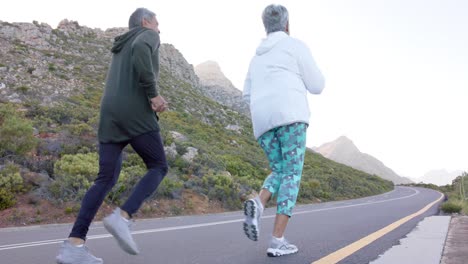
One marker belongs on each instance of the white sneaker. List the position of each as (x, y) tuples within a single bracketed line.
[(280, 247), (70, 254), (120, 229), (253, 210)]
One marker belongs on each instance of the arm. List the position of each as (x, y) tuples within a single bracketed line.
[(142, 52), (311, 75)]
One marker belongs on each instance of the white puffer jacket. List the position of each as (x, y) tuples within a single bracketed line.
[(279, 76)]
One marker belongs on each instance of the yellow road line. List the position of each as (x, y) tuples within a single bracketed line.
[(352, 248)]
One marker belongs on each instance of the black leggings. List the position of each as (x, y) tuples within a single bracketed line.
[(150, 148)]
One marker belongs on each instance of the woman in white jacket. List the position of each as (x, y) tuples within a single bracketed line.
[(280, 75)]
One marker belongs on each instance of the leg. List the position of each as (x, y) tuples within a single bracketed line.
[(150, 148), (281, 221), (253, 208), (293, 140), (110, 161), (265, 196), (272, 148)]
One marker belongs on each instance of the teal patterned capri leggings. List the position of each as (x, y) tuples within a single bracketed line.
[(285, 148)]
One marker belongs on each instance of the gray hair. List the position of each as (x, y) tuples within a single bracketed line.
[(137, 17), (275, 18)]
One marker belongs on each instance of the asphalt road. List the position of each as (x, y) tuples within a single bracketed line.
[(318, 230)]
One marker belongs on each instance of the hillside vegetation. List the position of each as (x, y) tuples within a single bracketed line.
[(48, 148)]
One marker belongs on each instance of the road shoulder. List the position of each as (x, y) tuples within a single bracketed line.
[(424, 244)]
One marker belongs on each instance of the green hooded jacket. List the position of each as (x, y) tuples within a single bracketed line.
[(131, 82)]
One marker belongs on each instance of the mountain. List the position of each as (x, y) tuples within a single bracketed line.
[(344, 151), (216, 86), (439, 177), (51, 82)]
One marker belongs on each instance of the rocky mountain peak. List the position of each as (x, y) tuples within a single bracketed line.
[(210, 74), (344, 141), (175, 62), (340, 145), (218, 87), (68, 24), (344, 151)]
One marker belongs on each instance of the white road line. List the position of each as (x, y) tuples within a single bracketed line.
[(157, 230), (416, 192)]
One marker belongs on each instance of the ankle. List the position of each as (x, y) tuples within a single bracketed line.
[(76, 241), (124, 214), (259, 200), (281, 239)]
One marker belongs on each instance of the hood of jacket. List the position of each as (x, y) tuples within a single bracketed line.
[(121, 40), (270, 41)]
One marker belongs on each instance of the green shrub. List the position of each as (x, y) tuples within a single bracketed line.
[(72, 209), (23, 89), (80, 129), (73, 176), (309, 189), (132, 159), (7, 199), (10, 178), (222, 188), (180, 164), (68, 210), (52, 67), (168, 186), (251, 184), (79, 164), (175, 210), (16, 132), (236, 166), (451, 207)]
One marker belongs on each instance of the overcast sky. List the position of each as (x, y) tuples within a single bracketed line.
[(396, 70)]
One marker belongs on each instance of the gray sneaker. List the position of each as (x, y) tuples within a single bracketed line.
[(279, 248), (253, 210), (120, 229), (70, 254)]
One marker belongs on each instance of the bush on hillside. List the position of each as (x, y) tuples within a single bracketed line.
[(169, 186), (7, 199), (309, 190), (73, 175), (10, 178), (222, 188), (236, 166), (11, 183), (16, 132)]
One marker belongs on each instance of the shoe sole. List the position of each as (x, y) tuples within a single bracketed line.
[(250, 229), (125, 246), (279, 253), (59, 261)]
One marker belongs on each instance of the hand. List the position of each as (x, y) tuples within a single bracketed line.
[(159, 104)]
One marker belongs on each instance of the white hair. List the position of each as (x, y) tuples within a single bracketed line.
[(275, 18)]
